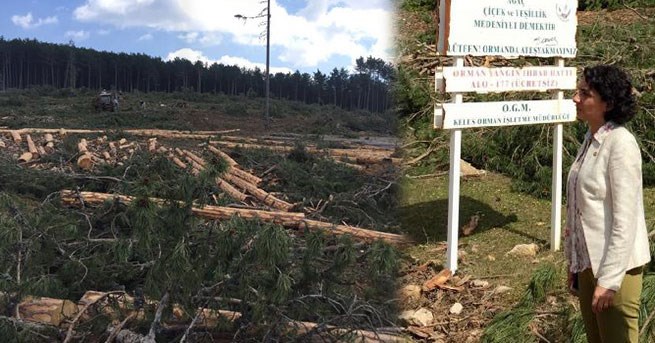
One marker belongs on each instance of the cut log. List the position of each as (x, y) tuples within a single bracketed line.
[(226, 157), (362, 234), (230, 190), (25, 157), (41, 151), (178, 162), (85, 161), (233, 169), (194, 157), (2, 144), (112, 147), (288, 219), (122, 141), (222, 184), (136, 132), (194, 164), (48, 138), (210, 212), (364, 156), (244, 175), (259, 194), (49, 142), (60, 313), (233, 145), (351, 165), (82, 146), (106, 155), (152, 144), (46, 310), (162, 149), (16, 136), (31, 147)]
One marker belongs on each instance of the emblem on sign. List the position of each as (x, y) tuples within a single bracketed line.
[(563, 10)]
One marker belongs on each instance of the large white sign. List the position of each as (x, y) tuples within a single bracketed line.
[(509, 28), (503, 113), (485, 80)]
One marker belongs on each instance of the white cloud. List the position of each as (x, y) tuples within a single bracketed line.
[(189, 37), (27, 21), (195, 55), (244, 63), (77, 35), (211, 39), (147, 36), (320, 31), (104, 32)]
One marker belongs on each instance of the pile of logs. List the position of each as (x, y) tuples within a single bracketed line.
[(239, 184), (234, 177), (356, 156)]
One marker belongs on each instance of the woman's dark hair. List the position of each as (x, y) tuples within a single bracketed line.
[(614, 87)]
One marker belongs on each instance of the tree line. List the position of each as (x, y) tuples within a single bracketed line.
[(28, 63)]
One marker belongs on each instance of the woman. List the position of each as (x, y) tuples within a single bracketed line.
[(606, 235)]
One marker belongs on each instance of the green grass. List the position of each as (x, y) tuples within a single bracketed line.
[(507, 218), (51, 108)]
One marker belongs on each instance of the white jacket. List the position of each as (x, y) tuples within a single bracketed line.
[(610, 199)]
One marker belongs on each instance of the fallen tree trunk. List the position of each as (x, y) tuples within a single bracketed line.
[(136, 132), (210, 212), (365, 156), (362, 234), (260, 194), (287, 219), (122, 305)]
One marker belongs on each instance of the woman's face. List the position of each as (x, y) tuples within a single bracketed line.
[(590, 107)]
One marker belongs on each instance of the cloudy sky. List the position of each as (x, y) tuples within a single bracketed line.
[(305, 34)]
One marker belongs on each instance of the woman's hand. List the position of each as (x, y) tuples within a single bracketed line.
[(602, 299)]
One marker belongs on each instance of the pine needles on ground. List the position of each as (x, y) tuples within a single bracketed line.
[(510, 326), (543, 280), (514, 325), (647, 311)]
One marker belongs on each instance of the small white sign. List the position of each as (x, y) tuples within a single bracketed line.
[(506, 113), (485, 80), (508, 28)]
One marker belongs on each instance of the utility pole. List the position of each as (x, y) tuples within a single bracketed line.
[(267, 122), (267, 115)]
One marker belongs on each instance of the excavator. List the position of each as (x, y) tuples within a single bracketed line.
[(106, 101)]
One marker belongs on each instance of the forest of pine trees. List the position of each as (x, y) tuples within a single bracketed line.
[(29, 63)]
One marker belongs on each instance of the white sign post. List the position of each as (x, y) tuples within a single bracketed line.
[(507, 28)]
